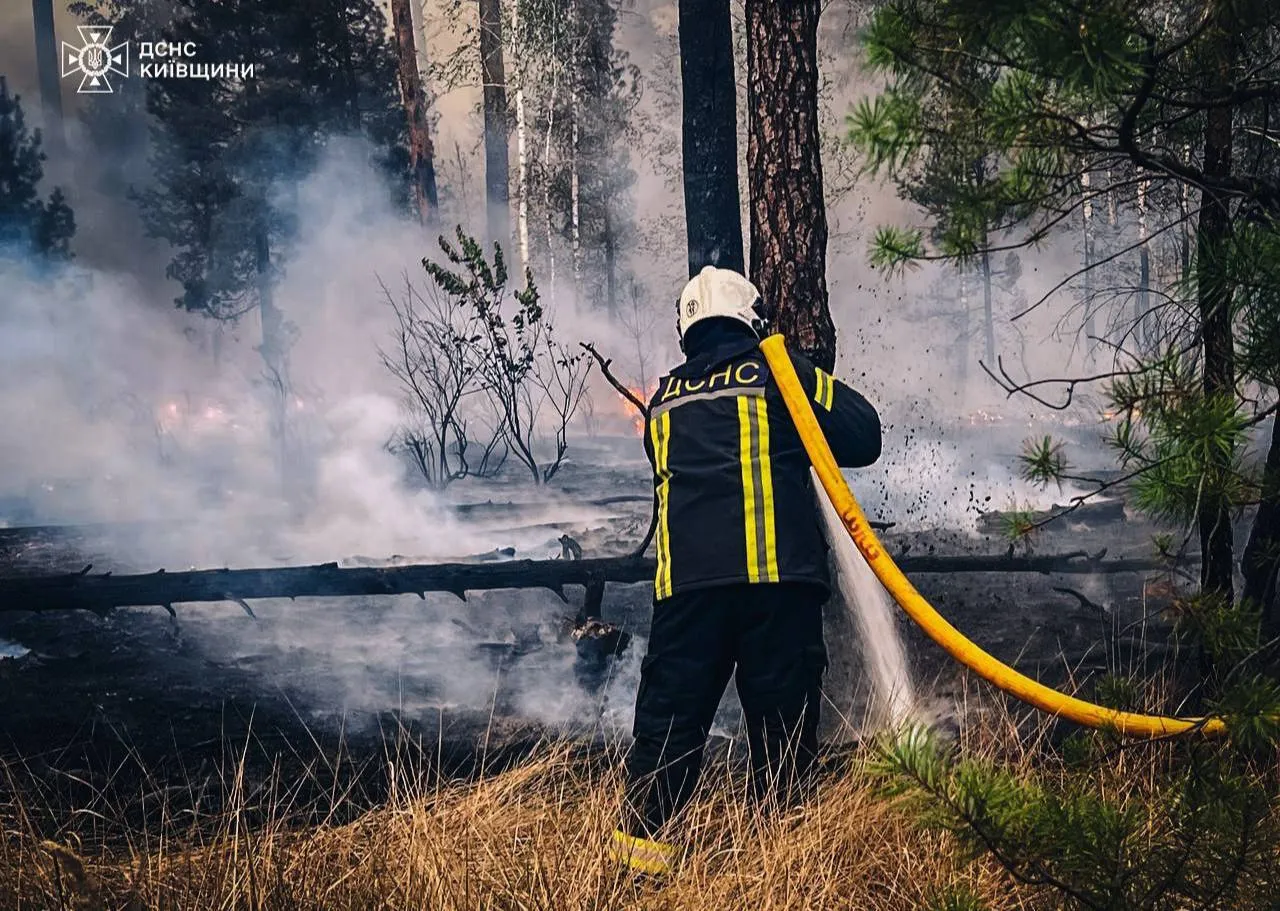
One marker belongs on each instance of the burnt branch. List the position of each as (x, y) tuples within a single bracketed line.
[(623, 391)]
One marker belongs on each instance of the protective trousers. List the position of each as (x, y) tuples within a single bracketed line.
[(771, 635)]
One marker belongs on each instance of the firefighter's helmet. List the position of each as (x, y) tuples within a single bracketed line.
[(719, 292)]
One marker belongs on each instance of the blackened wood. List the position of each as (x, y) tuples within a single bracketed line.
[(709, 136), (101, 593)]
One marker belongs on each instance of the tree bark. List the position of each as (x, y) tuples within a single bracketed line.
[(421, 152), (1213, 290), (784, 174), (496, 151), (1261, 560), (709, 137)]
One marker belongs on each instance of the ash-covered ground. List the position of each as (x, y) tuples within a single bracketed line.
[(112, 711)]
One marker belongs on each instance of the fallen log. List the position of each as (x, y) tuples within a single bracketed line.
[(105, 591)]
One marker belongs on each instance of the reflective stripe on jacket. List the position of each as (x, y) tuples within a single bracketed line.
[(731, 477)]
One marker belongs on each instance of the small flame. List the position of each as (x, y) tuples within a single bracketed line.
[(637, 420)]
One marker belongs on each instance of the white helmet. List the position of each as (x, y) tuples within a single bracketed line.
[(719, 292)]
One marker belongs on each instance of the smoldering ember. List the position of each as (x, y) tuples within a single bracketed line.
[(417, 412)]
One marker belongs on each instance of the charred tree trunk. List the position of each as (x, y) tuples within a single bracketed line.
[(709, 130), (47, 67), (1261, 561), (784, 173), (421, 153), (1213, 291), (496, 153), (1142, 332), (106, 591)]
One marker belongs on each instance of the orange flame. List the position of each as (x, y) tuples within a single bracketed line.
[(629, 409)]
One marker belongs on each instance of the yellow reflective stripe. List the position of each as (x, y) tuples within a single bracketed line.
[(748, 486), (660, 434), (766, 493), (641, 853), (825, 390)]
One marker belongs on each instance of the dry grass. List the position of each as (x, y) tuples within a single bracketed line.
[(535, 837), (532, 837)]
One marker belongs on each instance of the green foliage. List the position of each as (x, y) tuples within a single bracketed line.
[(896, 248), (1124, 694), (1195, 828), (1189, 446), (1018, 524), (1252, 262), (229, 153), (1043, 461), (29, 226), (1251, 708), (955, 898), (522, 367)]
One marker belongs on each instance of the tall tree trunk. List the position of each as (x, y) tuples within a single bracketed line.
[(575, 195), (274, 349), (610, 259), (1090, 331), (47, 68), (576, 79), (421, 152), (1261, 562), (496, 152), (988, 315), (988, 308), (1142, 330), (784, 173), (547, 208), (962, 337), (1184, 208), (1213, 290), (709, 136), (522, 155)]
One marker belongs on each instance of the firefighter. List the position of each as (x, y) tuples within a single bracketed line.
[(742, 562)]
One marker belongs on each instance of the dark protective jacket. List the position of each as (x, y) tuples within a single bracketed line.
[(732, 486)]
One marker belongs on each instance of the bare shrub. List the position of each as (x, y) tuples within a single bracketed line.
[(438, 365), (534, 383)]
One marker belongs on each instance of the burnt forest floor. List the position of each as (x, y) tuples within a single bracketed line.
[(119, 716)]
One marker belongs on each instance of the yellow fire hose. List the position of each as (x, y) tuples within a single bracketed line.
[(921, 611)]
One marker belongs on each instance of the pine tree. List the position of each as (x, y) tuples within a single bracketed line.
[(224, 149), (1161, 110), (29, 226), (784, 166), (1173, 97)]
